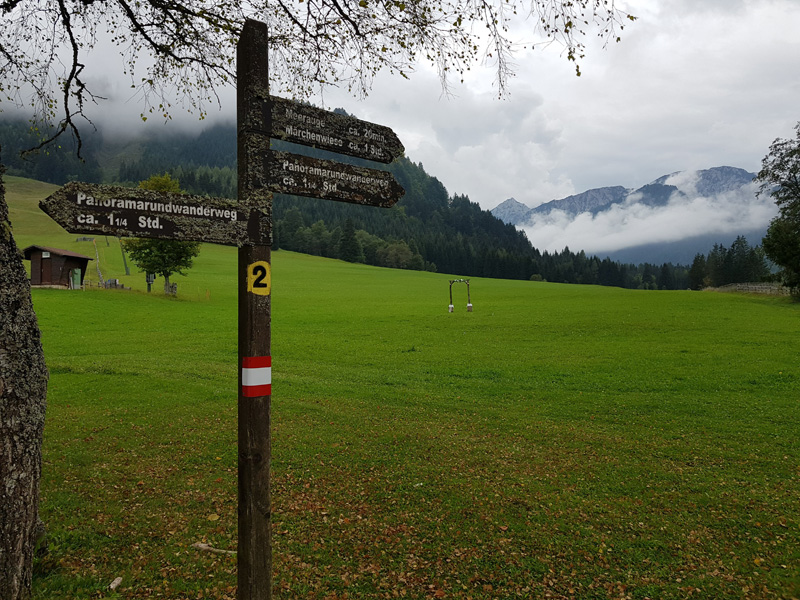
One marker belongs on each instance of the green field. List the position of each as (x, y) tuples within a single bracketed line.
[(559, 441)]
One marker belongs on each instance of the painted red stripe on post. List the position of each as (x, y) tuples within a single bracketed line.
[(256, 362), (253, 391)]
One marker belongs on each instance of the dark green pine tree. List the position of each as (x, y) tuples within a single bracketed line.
[(698, 272), (349, 247), (715, 265)]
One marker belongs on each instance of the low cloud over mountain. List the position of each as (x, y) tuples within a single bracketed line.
[(688, 210)]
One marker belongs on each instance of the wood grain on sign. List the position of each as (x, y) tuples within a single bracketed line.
[(288, 173), (132, 212), (311, 126)]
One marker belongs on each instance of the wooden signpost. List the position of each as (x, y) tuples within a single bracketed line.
[(263, 172), (247, 223)]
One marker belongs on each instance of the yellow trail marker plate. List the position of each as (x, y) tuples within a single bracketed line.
[(259, 278)]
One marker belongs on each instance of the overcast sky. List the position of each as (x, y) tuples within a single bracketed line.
[(693, 84)]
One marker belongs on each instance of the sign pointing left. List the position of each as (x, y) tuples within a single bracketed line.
[(132, 212)]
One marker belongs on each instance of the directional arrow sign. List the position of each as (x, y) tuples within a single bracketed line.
[(311, 126), (130, 212), (297, 175)]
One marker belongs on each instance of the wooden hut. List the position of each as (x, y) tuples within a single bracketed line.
[(56, 267)]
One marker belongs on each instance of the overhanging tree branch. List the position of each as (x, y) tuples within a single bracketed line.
[(313, 44), (72, 81)]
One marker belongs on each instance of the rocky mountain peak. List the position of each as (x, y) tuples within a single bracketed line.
[(704, 183)]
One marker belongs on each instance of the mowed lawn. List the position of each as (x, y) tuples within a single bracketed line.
[(559, 441)]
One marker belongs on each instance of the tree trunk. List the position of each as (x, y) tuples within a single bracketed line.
[(23, 390), (166, 285)]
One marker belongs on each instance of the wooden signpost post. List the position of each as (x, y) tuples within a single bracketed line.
[(247, 223), (263, 171)]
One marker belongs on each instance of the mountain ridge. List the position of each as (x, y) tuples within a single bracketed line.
[(670, 219), (593, 201), (709, 182)]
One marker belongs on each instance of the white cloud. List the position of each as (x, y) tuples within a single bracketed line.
[(632, 224), (685, 181)]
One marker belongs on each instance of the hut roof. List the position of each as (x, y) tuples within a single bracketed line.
[(30, 249)]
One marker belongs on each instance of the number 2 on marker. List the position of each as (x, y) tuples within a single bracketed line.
[(259, 278)]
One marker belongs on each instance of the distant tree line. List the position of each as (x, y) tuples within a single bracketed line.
[(569, 267), (427, 230), (55, 165), (219, 182), (204, 164), (741, 263), (346, 243)]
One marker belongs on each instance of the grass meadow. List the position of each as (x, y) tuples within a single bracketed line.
[(558, 442)]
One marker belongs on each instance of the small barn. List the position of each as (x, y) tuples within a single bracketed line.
[(56, 267)]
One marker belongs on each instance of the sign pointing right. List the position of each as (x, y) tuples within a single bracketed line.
[(298, 175), (311, 126)]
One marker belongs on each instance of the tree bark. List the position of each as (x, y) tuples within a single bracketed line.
[(23, 391)]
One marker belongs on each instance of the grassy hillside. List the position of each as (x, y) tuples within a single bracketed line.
[(32, 226), (559, 441), (30, 223)]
